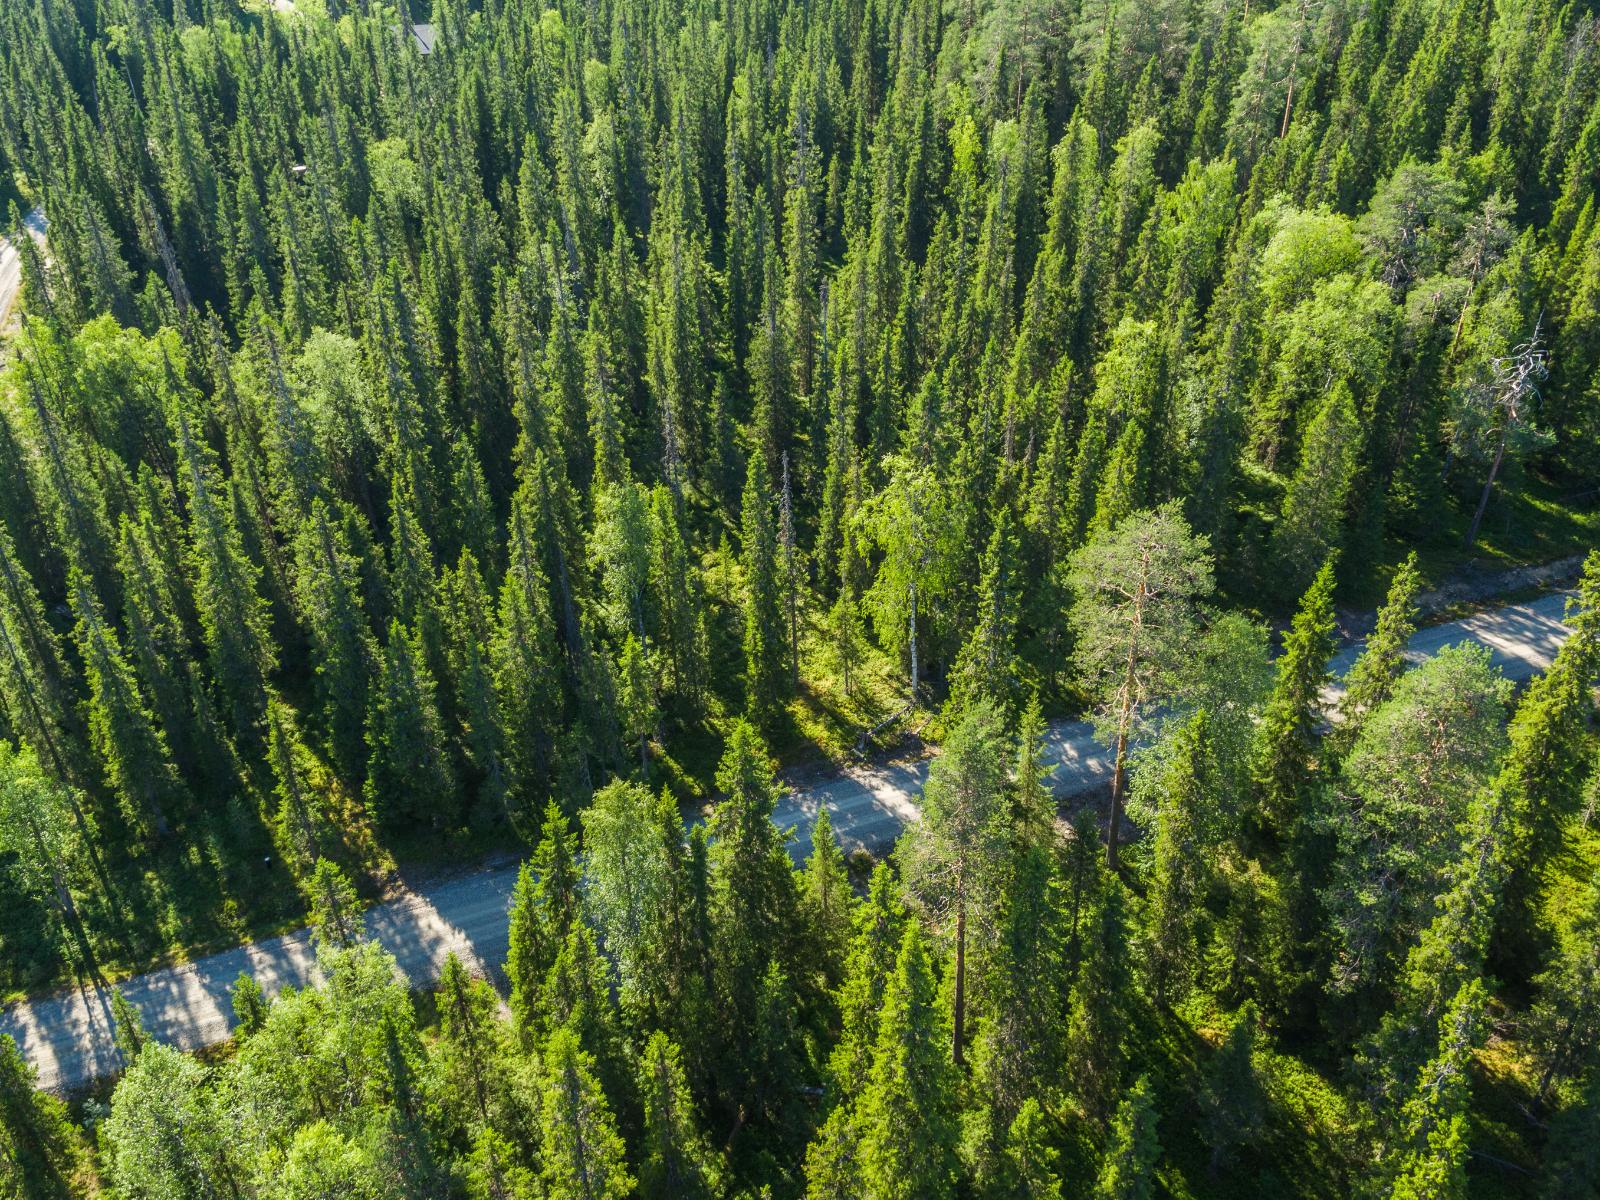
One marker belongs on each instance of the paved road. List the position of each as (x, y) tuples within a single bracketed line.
[(67, 1037), (11, 262)]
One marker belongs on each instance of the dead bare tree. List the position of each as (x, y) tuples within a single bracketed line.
[(1506, 402)]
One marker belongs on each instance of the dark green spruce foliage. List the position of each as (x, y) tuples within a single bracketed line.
[(441, 446)]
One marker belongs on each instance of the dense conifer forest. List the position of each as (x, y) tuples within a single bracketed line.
[(427, 433)]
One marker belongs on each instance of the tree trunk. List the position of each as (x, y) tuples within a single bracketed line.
[(960, 1005), (1488, 487), (916, 675), (1114, 825)]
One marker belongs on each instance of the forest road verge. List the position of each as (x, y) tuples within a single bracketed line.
[(67, 1037)]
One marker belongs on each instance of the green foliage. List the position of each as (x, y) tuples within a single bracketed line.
[(908, 1126), (544, 906), (1409, 784), (1128, 1170), (1372, 678), (250, 1006), (1136, 588), (1286, 741), (371, 450), (951, 859), (1232, 1099), (580, 1150), (678, 1162), (40, 1150)]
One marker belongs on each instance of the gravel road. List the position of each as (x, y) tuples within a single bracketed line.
[(67, 1037)]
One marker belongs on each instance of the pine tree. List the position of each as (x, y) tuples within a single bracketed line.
[(1137, 586), (127, 1026), (1018, 1050), (675, 597), (579, 993), (1030, 1163), (951, 857), (1410, 784)]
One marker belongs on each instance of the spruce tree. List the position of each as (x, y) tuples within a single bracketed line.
[(987, 665), (581, 1154), (755, 904), (764, 640), (250, 1006), (1286, 740), (677, 1161), (826, 901), (1128, 1170), (526, 680), (1372, 677), (1232, 1098), (1430, 1158), (409, 781), (907, 1118), (233, 616), (132, 750), (544, 906), (1104, 1000), (346, 654), (470, 1026), (1182, 864)]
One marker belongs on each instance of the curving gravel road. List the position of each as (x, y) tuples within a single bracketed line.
[(67, 1037)]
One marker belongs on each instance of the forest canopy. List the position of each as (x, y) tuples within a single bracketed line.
[(434, 431)]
